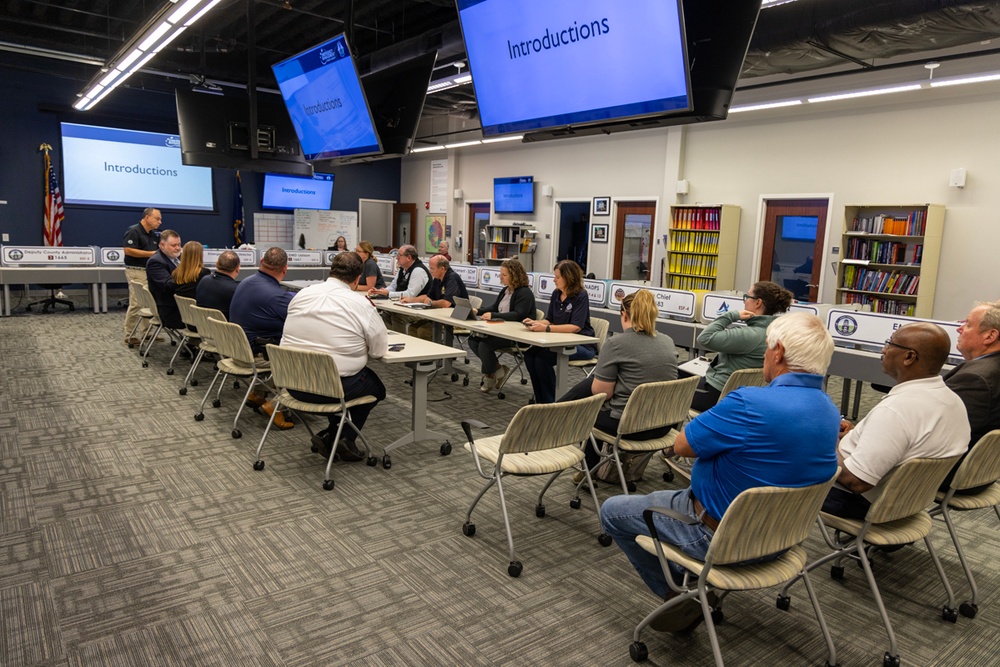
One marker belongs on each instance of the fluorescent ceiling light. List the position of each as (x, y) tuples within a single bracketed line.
[(453, 81), (864, 93), (424, 149), (768, 105), (154, 36), (970, 79), (183, 10), (515, 137), (463, 143)]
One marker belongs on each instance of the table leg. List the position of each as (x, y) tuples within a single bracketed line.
[(845, 396), (95, 299), (6, 300), (104, 297), (562, 370), (418, 417), (858, 384)]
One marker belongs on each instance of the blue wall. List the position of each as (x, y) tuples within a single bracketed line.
[(33, 106)]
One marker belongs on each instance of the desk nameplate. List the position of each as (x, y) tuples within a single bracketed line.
[(47, 256), (670, 302)]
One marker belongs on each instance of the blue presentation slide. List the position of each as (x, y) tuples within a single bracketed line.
[(291, 192), (514, 194), (104, 166), (560, 62), (325, 101)]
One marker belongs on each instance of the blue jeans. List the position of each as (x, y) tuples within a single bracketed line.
[(621, 517), (541, 365)]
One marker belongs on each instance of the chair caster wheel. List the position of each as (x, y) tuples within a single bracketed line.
[(531, 401), (446, 449), (668, 476), (949, 614), (237, 434), (540, 511), (173, 343), (968, 609), (145, 364), (575, 503), (386, 462), (604, 540), (170, 371), (454, 377), (718, 617), (199, 416), (194, 383), (890, 660), (465, 381), (514, 569), (328, 485), (258, 465), (837, 572), (131, 346), (637, 651), (465, 361), (501, 395), (630, 486), (182, 391), (784, 602), (524, 380), (468, 529), (216, 403), (371, 462), (236, 384)]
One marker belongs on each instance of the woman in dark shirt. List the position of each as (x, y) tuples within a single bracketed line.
[(569, 312), (515, 303), (340, 245), (371, 275)]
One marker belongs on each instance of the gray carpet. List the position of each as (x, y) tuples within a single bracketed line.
[(130, 534)]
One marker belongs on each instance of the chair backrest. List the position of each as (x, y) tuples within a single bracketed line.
[(909, 488), (231, 341), (477, 302), (199, 317), (981, 464), (305, 370), (766, 520), (539, 314), (657, 404), (746, 377), (601, 327), (184, 304), (146, 299), (550, 425)]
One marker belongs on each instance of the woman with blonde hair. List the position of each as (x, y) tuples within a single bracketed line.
[(371, 274), (183, 282), (635, 356), (514, 303)]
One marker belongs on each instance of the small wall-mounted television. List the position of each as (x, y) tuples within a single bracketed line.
[(538, 65), (324, 98), (514, 194), (215, 132), (290, 192), (799, 228)]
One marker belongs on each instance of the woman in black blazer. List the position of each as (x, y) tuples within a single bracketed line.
[(514, 304)]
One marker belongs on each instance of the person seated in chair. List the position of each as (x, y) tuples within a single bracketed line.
[(920, 417), (333, 318), (514, 303), (784, 434), (445, 286), (159, 268), (217, 290), (185, 278)]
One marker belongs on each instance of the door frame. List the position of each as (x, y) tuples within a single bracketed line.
[(614, 252), (758, 244), (470, 232), (401, 208)]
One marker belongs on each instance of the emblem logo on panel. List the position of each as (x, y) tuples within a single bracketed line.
[(845, 325)]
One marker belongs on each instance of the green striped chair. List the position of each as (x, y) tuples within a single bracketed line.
[(980, 467), (759, 522), (540, 440), (898, 516), (199, 319)]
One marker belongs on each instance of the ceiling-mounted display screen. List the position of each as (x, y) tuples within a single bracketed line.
[(559, 63), (326, 103), (292, 192), (514, 194)]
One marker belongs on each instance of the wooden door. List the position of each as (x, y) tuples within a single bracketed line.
[(404, 224), (792, 249), (635, 223), (475, 237)]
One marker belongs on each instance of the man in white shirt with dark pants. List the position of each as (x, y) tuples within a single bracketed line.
[(333, 318)]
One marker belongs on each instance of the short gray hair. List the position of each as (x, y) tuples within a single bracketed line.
[(808, 345), (991, 315)]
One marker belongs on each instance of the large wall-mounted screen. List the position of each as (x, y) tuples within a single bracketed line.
[(326, 103), (291, 192), (559, 63), (105, 166)]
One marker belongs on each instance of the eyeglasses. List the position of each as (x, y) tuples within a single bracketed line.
[(889, 341), (749, 296)]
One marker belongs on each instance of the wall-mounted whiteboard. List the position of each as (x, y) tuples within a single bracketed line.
[(318, 230)]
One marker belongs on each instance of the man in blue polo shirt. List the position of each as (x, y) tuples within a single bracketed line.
[(784, 434)]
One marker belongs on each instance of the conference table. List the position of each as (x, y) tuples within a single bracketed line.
[(565, 344), (50, 275)]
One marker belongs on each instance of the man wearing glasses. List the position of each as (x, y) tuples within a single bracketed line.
[(920, 417)]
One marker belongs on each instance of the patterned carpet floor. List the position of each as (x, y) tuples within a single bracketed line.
[(131, 534)]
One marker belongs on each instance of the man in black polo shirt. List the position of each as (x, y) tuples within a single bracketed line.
[(445, 286), (141, 242)]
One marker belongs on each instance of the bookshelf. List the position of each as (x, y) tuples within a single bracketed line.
[(701, 248), (889, 257), (513, 240)]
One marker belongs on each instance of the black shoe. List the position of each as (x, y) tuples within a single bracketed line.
[(683, 618), (320, 440), (348, 451)]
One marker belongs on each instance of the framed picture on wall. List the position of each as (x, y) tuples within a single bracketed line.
[(602, 206), (599, 233)]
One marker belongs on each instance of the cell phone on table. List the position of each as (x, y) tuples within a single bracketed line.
[(396, 347)]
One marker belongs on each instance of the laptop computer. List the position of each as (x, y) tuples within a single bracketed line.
[(463, 310)]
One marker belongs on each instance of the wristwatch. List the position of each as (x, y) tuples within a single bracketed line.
[(548, 328)]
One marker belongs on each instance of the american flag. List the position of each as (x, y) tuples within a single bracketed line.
[(53, 206), (239, 231)]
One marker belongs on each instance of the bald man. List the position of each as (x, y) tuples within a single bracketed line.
[(920, 417)]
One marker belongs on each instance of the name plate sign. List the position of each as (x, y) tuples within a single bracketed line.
[(861, 328), (46, 256), (303, 257), (490, 279), (386, 264), (248, 258), (468, 274), (597, 290), (713, 305), (112, 257), (670, 302)]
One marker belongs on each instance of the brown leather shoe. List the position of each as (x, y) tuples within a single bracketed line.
[(256, 400), (280, 421), (132, 341)]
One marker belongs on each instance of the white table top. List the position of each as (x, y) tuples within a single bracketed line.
[(418, 349)]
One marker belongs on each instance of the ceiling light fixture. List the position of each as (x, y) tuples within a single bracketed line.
[(983, 78), (424, 149), (768, 105), (475, 142), (865, 93), (513, 137), (157, 33), (453, 81)]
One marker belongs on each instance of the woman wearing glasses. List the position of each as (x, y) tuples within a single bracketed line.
[(739, 347)]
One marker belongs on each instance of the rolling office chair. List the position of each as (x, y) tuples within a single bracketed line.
[(51, 301)]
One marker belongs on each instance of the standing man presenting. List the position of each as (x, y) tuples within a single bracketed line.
[(140, 243)]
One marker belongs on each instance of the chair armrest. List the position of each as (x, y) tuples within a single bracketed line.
[(647, 515)]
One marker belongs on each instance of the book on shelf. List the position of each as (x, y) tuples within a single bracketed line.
[(913, 223)]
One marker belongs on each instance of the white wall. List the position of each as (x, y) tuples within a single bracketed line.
[(896, 150)]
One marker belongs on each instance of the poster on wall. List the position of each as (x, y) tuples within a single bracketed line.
[(319, 230), (439, 187), (434, 224)]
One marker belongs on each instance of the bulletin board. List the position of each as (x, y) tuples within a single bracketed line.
[(318, 230)]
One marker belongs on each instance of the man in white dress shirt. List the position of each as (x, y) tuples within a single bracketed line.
[(332, 317)]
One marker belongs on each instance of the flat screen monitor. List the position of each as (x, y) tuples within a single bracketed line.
[(558, 63), (323, 94), (290, 192), (396, 97), (106, 166), (215, 132), (799, 228), (514, 194)]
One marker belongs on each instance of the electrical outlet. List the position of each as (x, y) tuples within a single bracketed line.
[(6, 238)]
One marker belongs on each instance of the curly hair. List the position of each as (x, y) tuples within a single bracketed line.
[(776, 299)]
